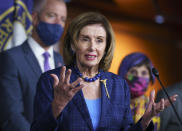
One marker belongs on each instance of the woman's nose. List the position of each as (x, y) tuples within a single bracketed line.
[(92, 44)]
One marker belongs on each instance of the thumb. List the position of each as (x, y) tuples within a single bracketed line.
[(56, 80), (151, 103)]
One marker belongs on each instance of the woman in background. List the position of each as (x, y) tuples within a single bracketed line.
[(136, 69)]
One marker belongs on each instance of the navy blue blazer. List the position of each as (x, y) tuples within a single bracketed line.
[(19, 74), (115, 111)]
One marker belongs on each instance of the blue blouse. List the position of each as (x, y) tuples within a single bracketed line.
[(94, 108)]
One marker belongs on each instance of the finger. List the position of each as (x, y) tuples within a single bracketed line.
[(172, 98), (76, 83), (150, 106), (152, 96), (75, 90), (56, 80), (62, 74), (162, 105), (67, 76)]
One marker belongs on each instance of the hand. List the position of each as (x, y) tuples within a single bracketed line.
[(154, 108), (63, 90)]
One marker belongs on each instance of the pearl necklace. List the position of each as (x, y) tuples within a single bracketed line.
[(97, 76)]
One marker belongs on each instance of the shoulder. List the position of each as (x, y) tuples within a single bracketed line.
[(56, 54), (115, 81), (11, 60), (174, 88), (177, 86), (171, 90), (113, 77), (55, 71), (13, 52), (9, 56)]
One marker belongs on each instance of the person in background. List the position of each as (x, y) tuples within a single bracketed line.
[(21, 67), (136, 69), (169, 121), (83, 95)]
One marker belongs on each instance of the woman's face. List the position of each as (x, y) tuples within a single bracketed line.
[(139, 71), (90, 46)]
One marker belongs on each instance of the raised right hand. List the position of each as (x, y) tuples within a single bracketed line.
[(63, 90)]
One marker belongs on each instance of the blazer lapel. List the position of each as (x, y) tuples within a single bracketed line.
[(106, 88), (31, 59), (57, 61), (79, 102)]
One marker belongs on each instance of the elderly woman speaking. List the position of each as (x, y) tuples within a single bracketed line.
[(83, 96)]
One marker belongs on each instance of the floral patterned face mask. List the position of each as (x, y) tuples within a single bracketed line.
[(137, 85)]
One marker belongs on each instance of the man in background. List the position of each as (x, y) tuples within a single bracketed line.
[(169, 120), (20, 67)]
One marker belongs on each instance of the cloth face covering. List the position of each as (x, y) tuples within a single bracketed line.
[(49, 33), (137, 85)]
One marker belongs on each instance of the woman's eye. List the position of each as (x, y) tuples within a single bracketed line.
[(133, 72), (144, 73), (99, 40), (85, 39)]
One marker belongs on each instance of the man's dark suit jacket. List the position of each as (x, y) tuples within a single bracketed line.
[(19, 73), (115, 110), (169, 121)]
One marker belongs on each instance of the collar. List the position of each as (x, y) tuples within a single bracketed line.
[(37, 49)]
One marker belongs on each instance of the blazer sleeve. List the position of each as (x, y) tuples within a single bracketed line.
[(11, 109), (43, 117)]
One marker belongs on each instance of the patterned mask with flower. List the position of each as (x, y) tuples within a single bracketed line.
[(137, 85)]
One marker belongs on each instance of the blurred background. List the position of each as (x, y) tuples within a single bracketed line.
[(153, 27)]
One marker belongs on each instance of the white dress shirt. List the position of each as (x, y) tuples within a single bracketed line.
[(38, 52)]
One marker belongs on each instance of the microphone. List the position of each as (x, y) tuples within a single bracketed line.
[(156, 74)]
